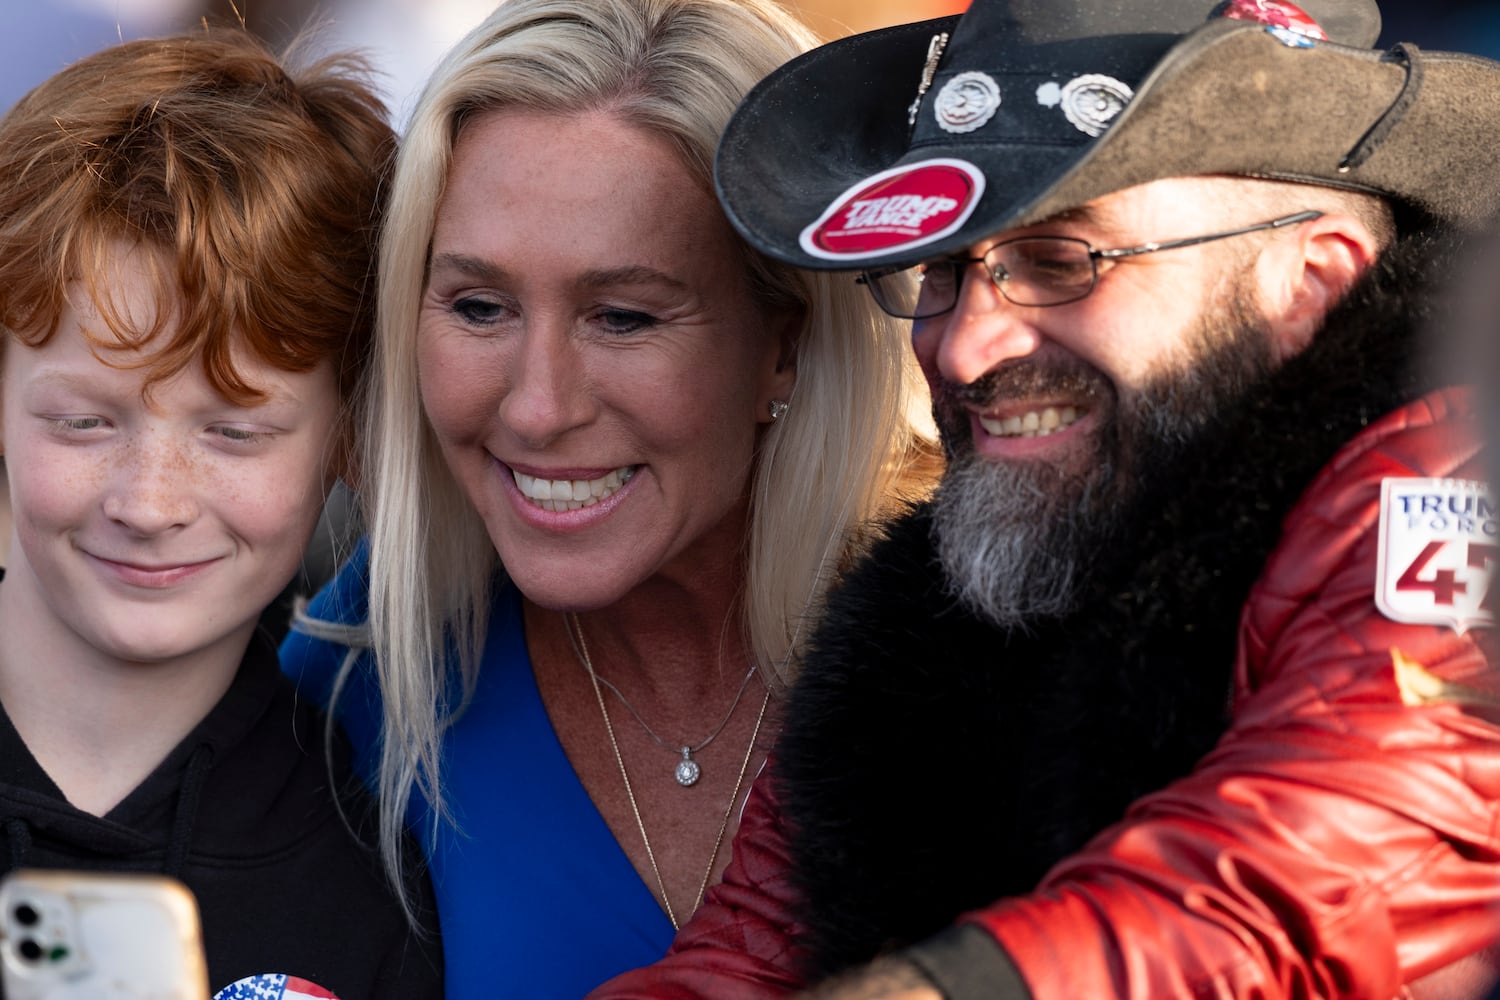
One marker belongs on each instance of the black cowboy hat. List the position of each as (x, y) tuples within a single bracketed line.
[(898, 145)]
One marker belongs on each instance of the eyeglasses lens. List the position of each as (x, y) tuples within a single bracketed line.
[(895, 291), (1042, 271), (1031, 271)]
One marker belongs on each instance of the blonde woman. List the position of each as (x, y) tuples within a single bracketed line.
[(615, 459)]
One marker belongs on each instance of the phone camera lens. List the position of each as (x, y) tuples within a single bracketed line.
[(30, 950), (26, 915)]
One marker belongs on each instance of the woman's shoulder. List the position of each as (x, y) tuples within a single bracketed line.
[(331, 626), (345, 599)]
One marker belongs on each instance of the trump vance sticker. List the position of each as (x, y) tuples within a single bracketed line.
[(896, 209), (1439, 541)]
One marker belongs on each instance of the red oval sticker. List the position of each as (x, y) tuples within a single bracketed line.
[(895, 209), (1278, 14)]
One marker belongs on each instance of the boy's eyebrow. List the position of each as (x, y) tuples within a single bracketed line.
[(91, 383), (65, 378)]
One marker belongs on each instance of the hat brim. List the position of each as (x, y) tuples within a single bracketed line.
[(1230, 98)]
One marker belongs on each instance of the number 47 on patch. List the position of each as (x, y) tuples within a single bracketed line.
[(1439, 545)]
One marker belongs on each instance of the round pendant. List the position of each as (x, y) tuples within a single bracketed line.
[(687, 772)]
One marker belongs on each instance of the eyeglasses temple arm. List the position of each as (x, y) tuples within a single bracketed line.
[(1286, 220)]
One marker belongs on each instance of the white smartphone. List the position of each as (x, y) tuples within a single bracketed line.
[(67, 935)]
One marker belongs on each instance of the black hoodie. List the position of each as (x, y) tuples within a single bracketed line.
[(242, 812)]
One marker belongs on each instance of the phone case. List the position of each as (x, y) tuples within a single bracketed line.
[(68, 935)]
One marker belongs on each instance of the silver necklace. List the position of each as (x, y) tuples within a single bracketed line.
[(581, 650), (687, 771)]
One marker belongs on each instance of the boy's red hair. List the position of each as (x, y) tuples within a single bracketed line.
[(258, 188)]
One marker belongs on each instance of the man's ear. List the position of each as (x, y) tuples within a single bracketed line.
[(1303, 275)]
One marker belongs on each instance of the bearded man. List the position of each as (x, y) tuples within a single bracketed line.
[(1177, 687)]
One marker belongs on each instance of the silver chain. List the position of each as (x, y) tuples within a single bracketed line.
[(687, 771), (581, 649)]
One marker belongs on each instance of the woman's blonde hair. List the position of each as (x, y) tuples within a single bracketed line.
[(675, 68)]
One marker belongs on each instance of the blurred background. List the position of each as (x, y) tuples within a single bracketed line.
[(406, 37)]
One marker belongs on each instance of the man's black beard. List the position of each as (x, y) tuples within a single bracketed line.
[(1019, 540)]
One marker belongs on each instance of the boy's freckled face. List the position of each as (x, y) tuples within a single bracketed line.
[(160, 527)]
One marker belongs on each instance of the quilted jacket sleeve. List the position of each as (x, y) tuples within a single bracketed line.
[(741, 942), (1341, 840)]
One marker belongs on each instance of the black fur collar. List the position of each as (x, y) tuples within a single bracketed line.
[(930, 764)]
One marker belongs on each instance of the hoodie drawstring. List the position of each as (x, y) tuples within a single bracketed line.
[(18, 833), (193, 777)]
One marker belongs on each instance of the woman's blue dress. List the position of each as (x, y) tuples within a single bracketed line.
[(535, 897)]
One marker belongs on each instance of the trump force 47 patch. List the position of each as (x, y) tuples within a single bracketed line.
[(1439, 541)]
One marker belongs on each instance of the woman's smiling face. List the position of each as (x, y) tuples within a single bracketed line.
[(591, 358)]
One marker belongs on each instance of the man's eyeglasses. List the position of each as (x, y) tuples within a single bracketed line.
[(1029, 271)]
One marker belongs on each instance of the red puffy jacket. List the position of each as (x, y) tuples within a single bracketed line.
[(1342, 840)]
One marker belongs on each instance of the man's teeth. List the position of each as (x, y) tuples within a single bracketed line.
[(1037, 423), (570, 494)]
